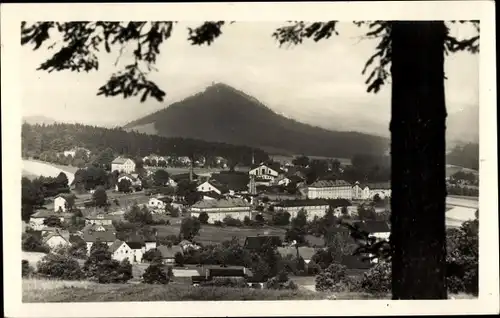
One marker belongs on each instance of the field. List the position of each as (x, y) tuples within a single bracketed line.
[(452, 169), (36, 290), (40, 168), (210, 234)]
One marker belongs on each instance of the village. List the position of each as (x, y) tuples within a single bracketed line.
[(251, 207)]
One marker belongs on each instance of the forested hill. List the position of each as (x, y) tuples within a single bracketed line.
[(224, 114), (52, 139)]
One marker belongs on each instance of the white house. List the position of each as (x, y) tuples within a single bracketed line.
[(316, 207), (60, 203), (158, 203), (209, 186), (330, 189), (263, 171), (93, 232), (72, 152), (217, 210), (121, 164), (120, 250), (56, 238), (168, 253), (360, 191)]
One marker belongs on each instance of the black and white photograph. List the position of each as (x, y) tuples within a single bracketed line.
[(205, 157)]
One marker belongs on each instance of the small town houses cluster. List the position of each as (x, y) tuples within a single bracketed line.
[(223, 195)]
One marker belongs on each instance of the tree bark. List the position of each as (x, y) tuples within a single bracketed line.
[(418, 160)]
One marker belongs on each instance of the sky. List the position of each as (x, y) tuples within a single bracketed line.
[(316, 82)]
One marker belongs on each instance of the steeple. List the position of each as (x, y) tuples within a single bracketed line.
[(253, 157)]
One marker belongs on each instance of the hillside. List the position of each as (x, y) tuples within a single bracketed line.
[(457, 121), (224, 114)]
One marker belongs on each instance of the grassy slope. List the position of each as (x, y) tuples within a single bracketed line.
[(58, 291)]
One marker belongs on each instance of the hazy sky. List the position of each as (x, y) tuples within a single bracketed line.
[(319, 83)]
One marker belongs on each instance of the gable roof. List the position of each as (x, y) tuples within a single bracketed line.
[(213, 194), (222, 203), (276, 166), (329, 184), (115, 246), (135, 245), (126, 175), (183, 176), (217, 185), (60, 233), (169, 252), (302, 202), (49, 213), (373, 226), (379, 186), (305, 252), (120, 160), (255, 242)]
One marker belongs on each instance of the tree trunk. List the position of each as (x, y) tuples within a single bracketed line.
[(418, 160)]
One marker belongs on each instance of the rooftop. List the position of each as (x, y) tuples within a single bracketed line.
[(120, 160), (255, 242), (223, 203), (302, 202), (379, 186), (116, 244), (329, 184), (373, 226)]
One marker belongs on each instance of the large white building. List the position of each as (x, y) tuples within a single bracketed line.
[(316, 207), (121, 164), (265, 172), (217, 210), (330, 189), (60, 203)]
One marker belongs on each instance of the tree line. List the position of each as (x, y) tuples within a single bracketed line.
[(48, 141)]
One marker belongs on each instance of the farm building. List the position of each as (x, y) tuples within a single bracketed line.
[(122, 164), (56, 238)]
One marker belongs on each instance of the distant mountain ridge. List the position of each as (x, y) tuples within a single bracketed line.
[(38, 119), (222, 113)]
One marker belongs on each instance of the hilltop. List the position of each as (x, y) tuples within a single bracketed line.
[(222, 113)]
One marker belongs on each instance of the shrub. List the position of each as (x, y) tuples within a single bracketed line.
[(179, 259), (156, 273), (229, 221), (151, 255), (101, 268), (218, 223), (27, 269), (332, 278), (232, 282), (281, 281), (377, 279), (33, 243), (60, 267), (203, 217), (247, 221), (313, 268)]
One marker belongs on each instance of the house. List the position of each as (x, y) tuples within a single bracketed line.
[(183, 177), (212, 186), (256, 242), (159, 203), (184, 160), (56, 238), (99, 219), (72, 152), (360, 191), (383, 190), (305, 252), (187, 245), (330, 189), (266, 171), (122, 164), (60, 203), (103, 233), (212, 195), (313, 207), (378, 229), (38, 218), (121, 250), (134, 180), (168, 253), (355, 265), (217, 210)]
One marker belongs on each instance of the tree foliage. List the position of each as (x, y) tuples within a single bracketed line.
[(100, 267), (190, 228), (157, 273), (56, 266)]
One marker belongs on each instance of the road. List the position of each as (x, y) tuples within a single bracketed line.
[(466, 202), (462, 209)]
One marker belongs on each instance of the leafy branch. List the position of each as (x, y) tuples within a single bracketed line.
[(82, 40)]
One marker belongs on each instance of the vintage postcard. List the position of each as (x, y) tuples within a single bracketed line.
[(249, 159)]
